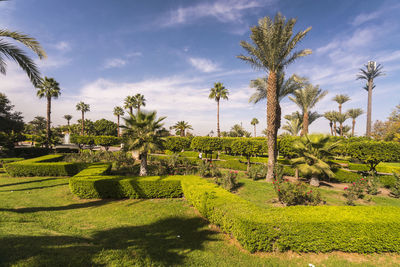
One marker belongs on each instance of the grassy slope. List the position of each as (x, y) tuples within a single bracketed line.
[(42, 224)]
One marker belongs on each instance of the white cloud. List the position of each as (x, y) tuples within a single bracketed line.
[(203, 64), (62, 46), (134, 54), (362, 18), (114, 63)]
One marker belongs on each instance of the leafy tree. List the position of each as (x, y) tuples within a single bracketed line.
[(139, 101), (11, 123), (254, 122), (37, 125), (181, 127), (129, 103), (105, 127), (306, 98), (369, 74), (89, 127), (118, 111), (15, 53), (144, 133), (330, 116), (271, 51), (247, 148), (217, 93), (238, 131), (68, 118), (177, 144), (106, 141), (206, 144), (390, 129), (48, 89), (354, 113), (341, 99), (81, 106)]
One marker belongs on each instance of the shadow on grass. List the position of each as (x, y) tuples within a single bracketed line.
[(33, 188), (162, 243), (28, 182)]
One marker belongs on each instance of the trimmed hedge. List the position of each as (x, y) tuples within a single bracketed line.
[(92, 183), (298, 228), (9, 160), (44, 166)]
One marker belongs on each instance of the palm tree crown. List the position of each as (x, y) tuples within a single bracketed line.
[(118, 111), (139, 101), (130, 103), (254, 122), (354, 114), (217, 93), (181, 127), (68, 118), (330, 116), (81, 106), (341, 99)]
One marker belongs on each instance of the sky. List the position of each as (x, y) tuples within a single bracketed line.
[(173, 52)]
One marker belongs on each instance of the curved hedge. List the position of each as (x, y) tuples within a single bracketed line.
[(43, 166)]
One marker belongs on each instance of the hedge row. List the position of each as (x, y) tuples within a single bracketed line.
[(93, 183), (9, 160), (43, 166), (101, 140), (299, 228)]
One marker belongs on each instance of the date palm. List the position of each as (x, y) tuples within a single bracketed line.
[(293, 126), (68, 118), (130, 103), (341, 99), (10, 51), (370, 72), (144, 133), (181, 127), (254, 122), (354, 113), (217, 93), (330, 116), (48, 89), (341, 118), (81, 106), (118, 111), (271, 50), (306, 98), (139, 101)]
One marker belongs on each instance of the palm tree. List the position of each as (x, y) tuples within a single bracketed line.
[(254, 122), (139, 101), (370, 72), (341, 118), (306, 98), (217, 93), (271, 51), (49, 89), (330, 116), (293, 126), (354, 113), (81, 106), (129, 103), (144, 134), (68, 118), (118, 111), (345, 130), (341, 99), (13, 52), (181, 127)]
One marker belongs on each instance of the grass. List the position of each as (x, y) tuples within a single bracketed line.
[(43, 224)]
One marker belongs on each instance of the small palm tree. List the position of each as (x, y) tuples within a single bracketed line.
[(254, 122), (341, 99), (217, 93), (330, 116), (354, 113), (345, 130), (68, 118), (48, 89), (181, 127), (370, 72), (139, 101), (13, 52), (306, 98), (341, 118), (129, 103), (293, 126), (81, 106), (144, 134), (118, 111)]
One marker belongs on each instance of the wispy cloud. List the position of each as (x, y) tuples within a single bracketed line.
[(203, 64), (62, 46), (114, 63)]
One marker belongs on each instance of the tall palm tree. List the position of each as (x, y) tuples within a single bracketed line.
[(254, 122), (306, 98), (330, 116), (293, 126), (68, 118), (341, 99), (118, 111), (48, 89), (181, 127), (341, 118), (144, 134), (217, 93), (81, 106), (271, 51), (370, 72), (354, 113), (13, 52), (139, 101), (129, 103)]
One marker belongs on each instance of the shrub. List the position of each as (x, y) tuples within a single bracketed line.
[(257, 171), (206, 144), (395, 189), (207, 169), (344, 176), (286, 147), (177, 143), (372, 185), (107, 141), (232, 164), (228, 181), (9, 160)]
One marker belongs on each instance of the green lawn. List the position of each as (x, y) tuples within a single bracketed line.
[(43, 224)]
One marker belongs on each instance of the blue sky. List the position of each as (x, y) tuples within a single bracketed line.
[(173, 51)]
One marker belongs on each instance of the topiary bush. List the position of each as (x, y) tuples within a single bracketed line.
[(206, 144), (177, 143)]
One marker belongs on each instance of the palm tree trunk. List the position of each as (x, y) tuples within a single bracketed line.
[(272, 102), (143, 164), (305, 122), (182, 132), (341, 128), (255, 131), (340, 108), (277, 126), (330, 125), (352, 128), (218, 130), (369, 109), (48, 122), (138, 109), (130, 110), (83, 123), (334, 127), (118, 133)]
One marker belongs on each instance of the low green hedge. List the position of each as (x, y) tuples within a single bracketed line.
[(9, 160), (92, 183), (298, 228), (43, 166), (344, 176), (232, 164)]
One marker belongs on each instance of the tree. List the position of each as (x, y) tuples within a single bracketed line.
[(105, 127), (181, 127), (68, 118), (118, 111), (48, 89), (388, 130), (293, 126), (341, 118), (247, 148), (15, 53), (139, 101), (144, 133), (306, 98), (129, 103), (330, 116), (341, 99), (354, 113), (11, 123), (238, 131), (81, 106), (369, 74), (217, 93), (271, 51), (254, 122)]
